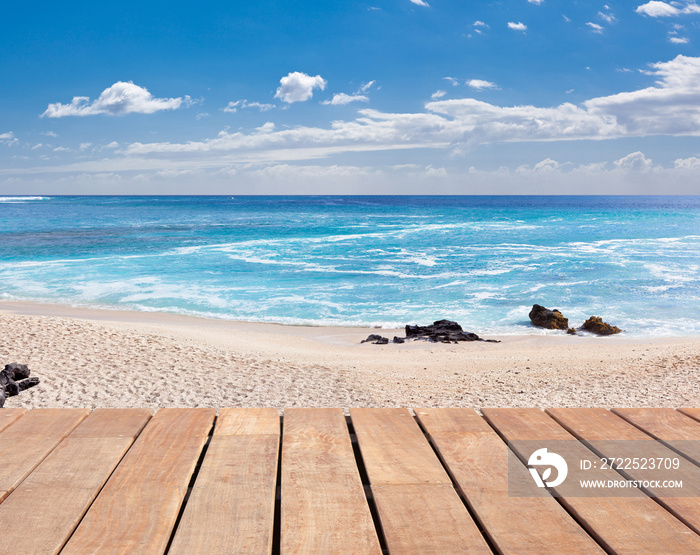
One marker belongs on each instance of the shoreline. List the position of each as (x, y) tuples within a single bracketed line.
[(115, 358)]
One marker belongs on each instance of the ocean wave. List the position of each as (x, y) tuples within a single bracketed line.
[(22, 199)]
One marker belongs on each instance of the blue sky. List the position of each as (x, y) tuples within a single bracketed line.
[(391, 96)]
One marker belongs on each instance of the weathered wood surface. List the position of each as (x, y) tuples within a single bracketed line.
[(611, 436), (27, 442), (137, 509), (232, 504), (622, 524), (323, 506), (477, 459), (9, 416), (45, 508), (671, 427), (411, 488), (444, 481)]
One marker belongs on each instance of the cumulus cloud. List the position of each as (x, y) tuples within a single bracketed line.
[(420, 3), (480, 84), (634, 162), (536, 2), (438, 94), (517, 26), (119, 99), (596, 28), (455, 82), (662, 9), (299, 87), (678, 40), (687, 163)]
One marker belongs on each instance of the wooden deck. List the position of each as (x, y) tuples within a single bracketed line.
[(315, 481)]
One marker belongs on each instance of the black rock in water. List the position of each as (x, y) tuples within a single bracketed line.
[(551, 319), (13, 379)]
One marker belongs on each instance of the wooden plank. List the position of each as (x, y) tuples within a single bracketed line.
[(418, 507), (30, 439), (323, 508), (621, 524), (680, 432), (426, 518), (9, 416), (232, 504), (386, 436), (43, 511), (244, 421), (477, 459), (611, 436), (137, 509), (693, 413)]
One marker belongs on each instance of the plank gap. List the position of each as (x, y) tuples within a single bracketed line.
[(87, 510), (591, 533), (371, 503), (482, 529), (277, 513), (190, 486)]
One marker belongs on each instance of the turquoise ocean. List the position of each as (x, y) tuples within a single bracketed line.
[(363, 261)]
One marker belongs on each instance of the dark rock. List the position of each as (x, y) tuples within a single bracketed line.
[(551, 319), (376, 339), (571, 331), (442, 331), (596, 325), (14, 379), (398, 340)]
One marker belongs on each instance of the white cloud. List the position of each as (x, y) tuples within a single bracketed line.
[(607, 17), (687, 163), (85, 146), (662, 9), (438, 94), (49, 134), (119, 99), (566, 19), (340, 99), (455, 82), (479, 24), (517, 26), (480, 84), (536, 2), (367, 86), (678, 40), (232, 107), (670, 107), (420, 3), (596, 28), (299, 87), (635, 162)]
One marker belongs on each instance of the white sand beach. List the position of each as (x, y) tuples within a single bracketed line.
[(99, 358)]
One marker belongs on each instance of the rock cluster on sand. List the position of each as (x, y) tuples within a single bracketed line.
[(442, 331), (551, 319), (13, 379), (554, 320)]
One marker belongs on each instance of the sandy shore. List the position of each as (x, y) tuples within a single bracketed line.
[(93, 358)]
